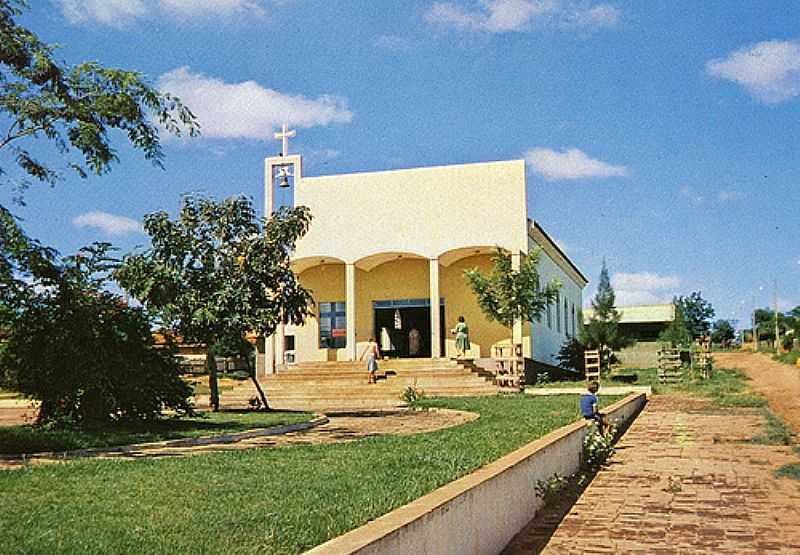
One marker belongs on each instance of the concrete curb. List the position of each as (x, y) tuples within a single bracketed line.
[(604, 390), (220, 439), (481, 512)]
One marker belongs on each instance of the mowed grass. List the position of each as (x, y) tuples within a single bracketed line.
[(271, 500), (34, 439)]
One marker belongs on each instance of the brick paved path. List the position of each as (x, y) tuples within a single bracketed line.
[(681, 481)]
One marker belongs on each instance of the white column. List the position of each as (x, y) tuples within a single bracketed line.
[(269, 190), (516, 331), (436, 324), (350, 310), (269, 354), (280, 347)]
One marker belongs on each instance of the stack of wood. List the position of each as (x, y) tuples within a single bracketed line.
[(704, 356), (510, 366), (669, 365), (592, 362)]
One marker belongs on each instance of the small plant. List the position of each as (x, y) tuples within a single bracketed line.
[(598, 448), (255, 403), (548, 490), (543, 378), (413, 395), (791, 470), (673, 486)]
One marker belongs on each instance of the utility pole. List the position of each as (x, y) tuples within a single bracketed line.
[(775, 303), (755, 331)]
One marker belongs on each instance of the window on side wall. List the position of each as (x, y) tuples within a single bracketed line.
[(574, 325), (558, 314), (549, 315), (566, 318), (332, 325)]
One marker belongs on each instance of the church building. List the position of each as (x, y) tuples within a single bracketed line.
[(385, 257)]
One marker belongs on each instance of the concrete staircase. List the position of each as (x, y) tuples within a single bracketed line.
[(343, 385)]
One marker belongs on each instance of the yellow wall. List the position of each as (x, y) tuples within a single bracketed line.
[(326, 282), (400, 279), (460, 301)]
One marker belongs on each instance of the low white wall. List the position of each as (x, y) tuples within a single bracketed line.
[(481, 512)]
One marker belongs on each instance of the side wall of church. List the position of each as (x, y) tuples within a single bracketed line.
[(548, 334)]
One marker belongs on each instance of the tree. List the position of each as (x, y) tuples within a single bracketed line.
[(216, 272), (80, 350), (571, 356), (602, 330), (698, 313), (73, 107), (506, 295), (722, 332), (677, 333)]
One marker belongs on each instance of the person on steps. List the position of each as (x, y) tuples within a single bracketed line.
[(372, 353), (461, 331)]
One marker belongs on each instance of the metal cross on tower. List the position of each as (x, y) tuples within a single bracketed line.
[(284, 137)]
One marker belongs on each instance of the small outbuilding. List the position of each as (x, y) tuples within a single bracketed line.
[(643, 323)]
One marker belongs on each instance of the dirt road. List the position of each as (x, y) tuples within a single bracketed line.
[(779, 383)]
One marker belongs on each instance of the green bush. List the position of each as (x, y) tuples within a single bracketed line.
[(85, 354)]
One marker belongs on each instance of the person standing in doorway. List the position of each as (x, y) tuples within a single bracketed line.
[(414, 342), (372, 353), (461, 331)]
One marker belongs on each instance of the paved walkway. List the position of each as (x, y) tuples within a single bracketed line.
[(682, 481)]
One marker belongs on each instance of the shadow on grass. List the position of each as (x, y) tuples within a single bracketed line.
[(35, 439)]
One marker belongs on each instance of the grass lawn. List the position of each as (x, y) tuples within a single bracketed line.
[(32, 439), (268, 500)]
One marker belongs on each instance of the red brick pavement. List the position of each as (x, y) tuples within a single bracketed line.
[(682, 481)]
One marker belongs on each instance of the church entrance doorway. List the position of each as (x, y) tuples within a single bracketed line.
[(403, 327)]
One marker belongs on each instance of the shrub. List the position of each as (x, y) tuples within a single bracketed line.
[(571, 356), (86, 355), (413, 395)]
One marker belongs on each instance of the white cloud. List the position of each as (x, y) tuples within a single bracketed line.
[(768, 70), (501, 16), (205, 8), (247, 110), (730, 196), (115, 13), (644, 280), (569, 164), (693, 196), (393, 42), (118, 13), (643, 288), (108, 223)]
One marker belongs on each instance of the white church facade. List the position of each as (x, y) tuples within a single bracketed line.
[(386, 253)]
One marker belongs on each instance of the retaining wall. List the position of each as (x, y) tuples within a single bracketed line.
[(480, 513)]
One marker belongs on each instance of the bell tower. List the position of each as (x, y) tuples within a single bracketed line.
[(281, 175)]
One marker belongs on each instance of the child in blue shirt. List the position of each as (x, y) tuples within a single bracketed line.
[(590, 407)]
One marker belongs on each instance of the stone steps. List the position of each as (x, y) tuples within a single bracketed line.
[(327, 385)]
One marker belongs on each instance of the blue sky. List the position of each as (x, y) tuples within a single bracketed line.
[(660, 135)]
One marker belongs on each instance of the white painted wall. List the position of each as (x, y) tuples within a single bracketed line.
[(480, 513), (547, 340), (425, 211)]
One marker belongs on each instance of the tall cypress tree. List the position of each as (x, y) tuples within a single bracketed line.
[(602, 330)]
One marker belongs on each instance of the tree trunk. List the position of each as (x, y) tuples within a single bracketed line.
[(260, 391), (211, 366)]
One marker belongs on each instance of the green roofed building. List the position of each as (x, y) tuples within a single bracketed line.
[(643, 323)]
